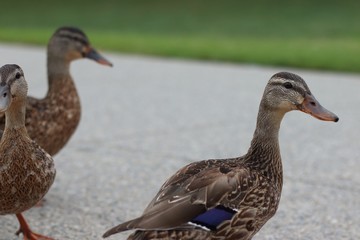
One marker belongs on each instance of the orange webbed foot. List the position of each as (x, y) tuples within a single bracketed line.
[(33, 236), (27, 232)]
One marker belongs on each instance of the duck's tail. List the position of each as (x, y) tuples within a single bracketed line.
[(122, 227)]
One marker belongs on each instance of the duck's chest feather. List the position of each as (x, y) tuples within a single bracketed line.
[(26, 174), (258, 206)]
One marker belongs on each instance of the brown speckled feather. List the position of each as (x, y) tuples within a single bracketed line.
[(171, 234), (229, 198), (26, 170), (204, 185), (52, 121)]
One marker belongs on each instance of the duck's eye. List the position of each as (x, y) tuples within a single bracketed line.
[(288, 85), (18, 75)]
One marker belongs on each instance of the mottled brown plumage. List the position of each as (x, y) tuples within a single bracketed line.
[(51, 121), (229, 198), (26, 170)]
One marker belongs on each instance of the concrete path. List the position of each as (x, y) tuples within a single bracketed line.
[(147, 117)]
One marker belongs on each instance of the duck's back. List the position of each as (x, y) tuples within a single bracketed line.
[(52, 121)]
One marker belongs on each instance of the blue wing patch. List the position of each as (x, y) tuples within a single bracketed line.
[(212, 218)]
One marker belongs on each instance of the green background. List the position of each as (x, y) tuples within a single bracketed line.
[(309, 34)]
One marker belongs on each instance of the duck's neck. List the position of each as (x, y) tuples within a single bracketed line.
[(15, 116), (58, 72), (264, 152)]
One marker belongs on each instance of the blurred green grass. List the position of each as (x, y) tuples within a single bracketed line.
[(309, 34)]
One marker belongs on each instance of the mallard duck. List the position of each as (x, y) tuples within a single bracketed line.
[(229, 198), (26, 170), (51, 121)]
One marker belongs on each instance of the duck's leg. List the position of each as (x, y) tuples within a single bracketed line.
[(26, 231)]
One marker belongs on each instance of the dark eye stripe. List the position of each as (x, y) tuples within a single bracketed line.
[(294, 87), (75, 38)]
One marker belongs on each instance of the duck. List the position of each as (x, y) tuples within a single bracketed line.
[(26, 170), (52, 120), (229, 198)]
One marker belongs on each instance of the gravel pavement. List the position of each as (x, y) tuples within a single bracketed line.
[(146, 117)]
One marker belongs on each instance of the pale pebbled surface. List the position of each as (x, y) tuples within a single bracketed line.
[(146, 117)]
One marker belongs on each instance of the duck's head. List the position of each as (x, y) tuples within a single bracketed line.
[(287, 91), (71, 43), (13, 86)]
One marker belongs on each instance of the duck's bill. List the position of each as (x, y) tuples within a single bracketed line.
[(4, 98), (94, 55), (311, 106)]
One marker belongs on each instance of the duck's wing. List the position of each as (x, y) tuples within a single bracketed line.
[(191, 192)]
